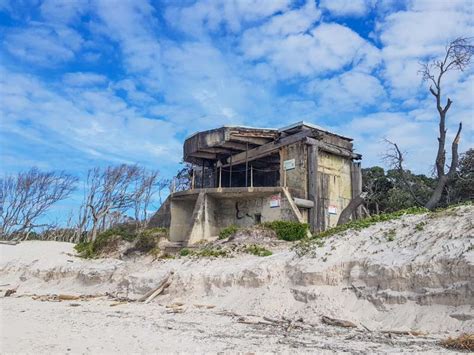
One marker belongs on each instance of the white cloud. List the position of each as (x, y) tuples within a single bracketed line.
[(63, 11), (131, 24), (327, 47), (421, 31), (85, 122), (231, 14), (291, 22), (354, 8), (207, 87), (42, 44), (350, 92), (84, 79)]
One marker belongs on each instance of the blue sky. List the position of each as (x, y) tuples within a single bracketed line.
[(97, 82)]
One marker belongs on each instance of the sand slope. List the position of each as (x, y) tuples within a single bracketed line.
[(415, 273)]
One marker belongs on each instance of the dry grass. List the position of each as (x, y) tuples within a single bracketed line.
[(462, 342)]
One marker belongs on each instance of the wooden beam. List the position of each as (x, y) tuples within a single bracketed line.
[(356, 183), (313, 176), (250, 140), (333, 149), (268, 148), (203, 155), (293, 206), (234, 145)]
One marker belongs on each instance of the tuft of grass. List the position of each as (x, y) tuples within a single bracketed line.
[(289, 231), (308, 246), (420, 226), (463, 342), (184, 252), (257, 250), (390, 234), (166, 256), (228, 231)]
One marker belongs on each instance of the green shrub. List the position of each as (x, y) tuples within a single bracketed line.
[(391, 234), (257, 250), (289, 231), (184, 252), (420, 226), (227, 232), (85, 249), (144, 241)]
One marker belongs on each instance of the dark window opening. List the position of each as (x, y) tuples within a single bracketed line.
[(258, 218)]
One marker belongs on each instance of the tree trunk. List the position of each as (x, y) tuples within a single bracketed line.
[(350, 208), (94, 231), (437, 193), (444, 179)]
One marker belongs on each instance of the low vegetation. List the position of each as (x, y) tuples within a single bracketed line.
[(107, 242), (307, 246), (228, 231), (205, 252), (257, 250), (289, 231), (463, 342), (370, 221)]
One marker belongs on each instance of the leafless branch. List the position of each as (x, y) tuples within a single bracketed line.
[(26, 197)]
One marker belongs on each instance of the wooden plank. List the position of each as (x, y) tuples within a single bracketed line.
[(313, 152), (293, 206), (150, 295), (203, 155), (323, 200), (356, 184), (268, 148), (251, 140), (333, 149)]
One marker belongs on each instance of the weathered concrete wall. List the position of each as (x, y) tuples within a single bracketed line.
[(197, 217), (244, 211), (162, 218), (211, 222), (334, 187), (198, 220), (181, 217), (296, 179)]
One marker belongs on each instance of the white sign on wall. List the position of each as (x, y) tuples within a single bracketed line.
[(289, 164), (332, 209), (275, 201)]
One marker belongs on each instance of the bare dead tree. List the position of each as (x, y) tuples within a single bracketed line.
[(163, 185), (458, 56), (394, 157), (109, 190), (26, 197), (146, 186)]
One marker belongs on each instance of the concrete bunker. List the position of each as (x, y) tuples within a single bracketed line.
[(244, 176)]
